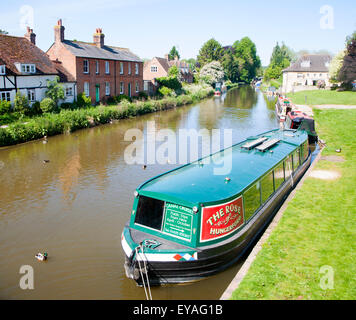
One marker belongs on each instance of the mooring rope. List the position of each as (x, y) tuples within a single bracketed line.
[(148, 295)]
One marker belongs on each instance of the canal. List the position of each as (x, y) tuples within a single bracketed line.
[(74, 205)]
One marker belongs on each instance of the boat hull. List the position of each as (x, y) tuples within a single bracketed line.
[(216, 258)]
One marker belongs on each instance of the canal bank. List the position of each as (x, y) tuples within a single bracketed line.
[(75, 206), (310, 254)]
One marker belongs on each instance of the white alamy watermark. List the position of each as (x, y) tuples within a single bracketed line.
[(27, 17), (163, 146), (27, 281), (327, 278), (327, 18)]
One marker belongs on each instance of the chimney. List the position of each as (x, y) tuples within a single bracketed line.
[(59, 32), (99, 38), (30, 36), (166, 56)]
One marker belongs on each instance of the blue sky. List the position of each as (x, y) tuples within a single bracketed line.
[(151, 27)]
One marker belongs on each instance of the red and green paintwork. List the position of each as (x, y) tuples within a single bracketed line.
[(195, 185)]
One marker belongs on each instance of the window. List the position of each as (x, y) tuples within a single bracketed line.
[(137, 86), (121, 68), (107, 88), (69, 91), (28, 68), (97, 67), (145, 86), (122, 88), (107, 67), (129, 66), (267, 187), (136, 69), (296, 160), (129, 90), (86, 89), (154, 69), (5, 96), (299, 75), (278, 175), (150, 212), (31, 95), (86, 66), (252, 200), (2, 70), (288, 167), (305, 150)]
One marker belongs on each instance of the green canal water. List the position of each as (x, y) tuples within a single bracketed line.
[(75, 206)]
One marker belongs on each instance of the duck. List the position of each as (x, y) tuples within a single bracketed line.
[(338, 150), (144, 167), (41, 256), (45, 161)]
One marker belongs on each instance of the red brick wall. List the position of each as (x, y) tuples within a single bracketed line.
[(114, 78)]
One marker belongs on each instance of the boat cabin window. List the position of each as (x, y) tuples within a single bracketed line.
[(296, 160), (252, 200), (288, 167), (149, 212), (305, 150), (278, 175), (267, 186)]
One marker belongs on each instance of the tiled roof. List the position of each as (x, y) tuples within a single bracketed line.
[(64, 75), (90, 50), (19, 49), (318, 63), (164, 63)]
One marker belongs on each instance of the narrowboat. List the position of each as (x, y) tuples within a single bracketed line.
[(299, 119), (189, 223)]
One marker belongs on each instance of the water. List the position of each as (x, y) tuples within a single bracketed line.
[(75, 206)]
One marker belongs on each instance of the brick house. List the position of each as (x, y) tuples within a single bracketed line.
[(305, 73), (158, 67), (26, 68), (100, 71)]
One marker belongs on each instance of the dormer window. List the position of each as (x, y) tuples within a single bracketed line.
[(2, 70), (26, 68), (305, 64)]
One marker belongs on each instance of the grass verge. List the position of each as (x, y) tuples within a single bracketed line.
[(319, 97), (317, 229)]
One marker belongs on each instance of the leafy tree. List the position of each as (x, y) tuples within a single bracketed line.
[(210, 51), (347, 72), (280, 59), (3, 32), (336, 64), (212, 73), (21, 103), (55, 91), (173, 71), (247, 58), (231, 66), (173, 54)]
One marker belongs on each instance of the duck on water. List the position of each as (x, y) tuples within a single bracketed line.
[(188, 223)]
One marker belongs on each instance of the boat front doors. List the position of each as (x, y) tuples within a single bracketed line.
[(97, 93)]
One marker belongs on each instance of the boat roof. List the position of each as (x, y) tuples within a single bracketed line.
[(195, 183)]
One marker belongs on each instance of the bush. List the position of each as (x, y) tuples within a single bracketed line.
[(122, 97), (164, 91), (21, 103), (48, 105), (83, 101), (142, 95), (35, 109), (67, 106), (5, 107), (169, 82)]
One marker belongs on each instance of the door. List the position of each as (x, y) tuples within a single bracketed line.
[(129, 90), (97, 93)]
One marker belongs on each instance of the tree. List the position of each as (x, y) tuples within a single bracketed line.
[(173, 72), (21, 103), (247, 58), (210, 51), (212, 73), (3, 32), (280, 59), (55, 91), (347, 73), (173, 54), (336, 64), (230, 65)]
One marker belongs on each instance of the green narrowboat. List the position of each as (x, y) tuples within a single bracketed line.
[(189, 223)]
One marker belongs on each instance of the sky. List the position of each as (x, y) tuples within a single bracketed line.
[(151, 27)]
